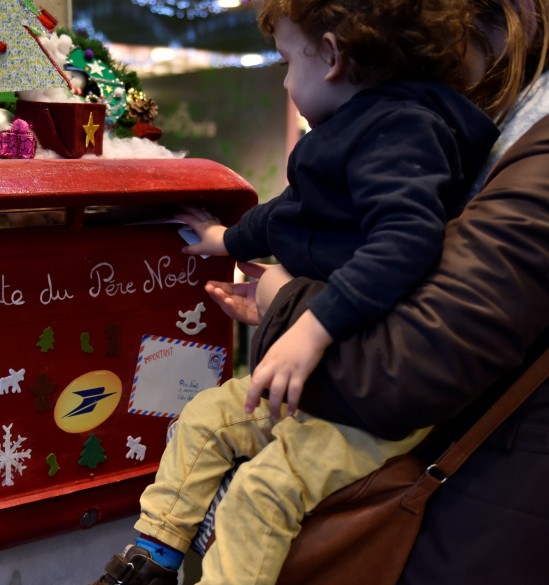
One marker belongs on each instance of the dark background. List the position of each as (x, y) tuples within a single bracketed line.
[(235, 116), (122, 21)]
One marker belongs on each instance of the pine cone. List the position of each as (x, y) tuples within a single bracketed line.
[(142, 108)]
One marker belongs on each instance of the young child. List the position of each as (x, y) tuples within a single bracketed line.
[(389, 158), (387, 161)]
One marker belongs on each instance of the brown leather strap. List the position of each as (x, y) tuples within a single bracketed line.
[(453, 458), (529, 381)]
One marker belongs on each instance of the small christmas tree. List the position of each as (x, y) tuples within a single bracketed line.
[(46, 341), (23, 63), (93, 453)]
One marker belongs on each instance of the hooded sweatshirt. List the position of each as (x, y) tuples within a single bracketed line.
[(370, 191)]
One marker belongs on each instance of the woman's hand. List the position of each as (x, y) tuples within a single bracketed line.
[(237, 299)]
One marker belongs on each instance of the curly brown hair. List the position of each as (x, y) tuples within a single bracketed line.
[(382, 40)]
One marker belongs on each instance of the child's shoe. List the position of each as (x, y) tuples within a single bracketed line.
[(135, 567)]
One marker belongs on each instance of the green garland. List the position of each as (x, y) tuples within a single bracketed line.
[(127, 77), (130, 79), (8, 105)]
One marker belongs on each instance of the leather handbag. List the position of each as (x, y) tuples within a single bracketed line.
[(365, 532)]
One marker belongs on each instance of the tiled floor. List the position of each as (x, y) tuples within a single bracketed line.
[(75, 558)]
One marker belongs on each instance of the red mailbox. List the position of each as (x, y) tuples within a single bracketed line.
[(106, 330)]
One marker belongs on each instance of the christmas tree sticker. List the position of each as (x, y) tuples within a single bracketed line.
[(93, 453), (46, 341), (24, 65)]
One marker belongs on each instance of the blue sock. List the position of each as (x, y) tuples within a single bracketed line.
[(164, 555)]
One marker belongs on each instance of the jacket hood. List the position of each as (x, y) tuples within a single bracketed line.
[(474, 131)]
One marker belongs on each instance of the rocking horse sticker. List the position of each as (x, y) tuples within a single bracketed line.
[(170, 372), (191, 324)]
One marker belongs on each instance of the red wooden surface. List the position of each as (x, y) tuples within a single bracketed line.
[(95, 276), (41, 183)]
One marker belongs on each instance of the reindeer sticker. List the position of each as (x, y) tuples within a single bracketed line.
[(137, 450), (12, 381)]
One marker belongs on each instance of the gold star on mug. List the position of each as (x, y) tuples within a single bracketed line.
[(90, 129)]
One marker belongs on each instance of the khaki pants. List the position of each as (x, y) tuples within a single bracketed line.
[(295, 464)]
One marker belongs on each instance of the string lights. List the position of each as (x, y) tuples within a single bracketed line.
[(182, 35), (188, 9)]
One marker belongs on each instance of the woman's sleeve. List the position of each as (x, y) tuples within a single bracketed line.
[(471, 321)]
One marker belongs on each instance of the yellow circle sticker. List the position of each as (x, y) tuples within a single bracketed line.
[(88, 401)]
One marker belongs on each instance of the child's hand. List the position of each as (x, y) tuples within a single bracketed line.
[(287, 365), (209, 230)]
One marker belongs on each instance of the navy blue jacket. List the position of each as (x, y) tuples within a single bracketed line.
[(370, 191)]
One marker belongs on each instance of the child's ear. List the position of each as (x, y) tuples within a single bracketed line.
[(332, 56)]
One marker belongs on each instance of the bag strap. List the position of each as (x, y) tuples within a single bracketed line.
[(456, 455), (528, 382)]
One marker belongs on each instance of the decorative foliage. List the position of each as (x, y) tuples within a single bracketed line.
[(126, 76), (140, 107), (93, 453), (119, 87), (46, 341), (94, 81)]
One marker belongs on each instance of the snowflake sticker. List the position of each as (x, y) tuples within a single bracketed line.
[(11, 456)]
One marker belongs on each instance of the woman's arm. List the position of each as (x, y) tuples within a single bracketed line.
[(471, 321)]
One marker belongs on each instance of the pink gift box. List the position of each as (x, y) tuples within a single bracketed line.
[(18, 142)]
